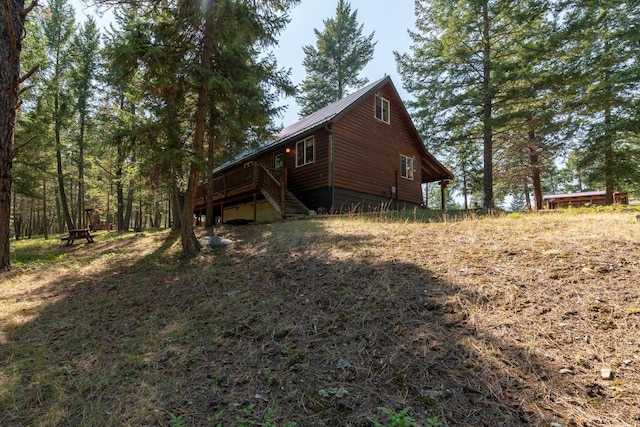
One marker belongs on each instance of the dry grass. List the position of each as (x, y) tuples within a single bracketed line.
[(496, 321)]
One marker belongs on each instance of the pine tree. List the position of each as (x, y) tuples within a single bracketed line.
[(173, 47), (85, 56), (463, 57), (334, 64), (59, 29), (602, 68), (12, 19)]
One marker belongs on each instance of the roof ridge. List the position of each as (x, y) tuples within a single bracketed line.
[(326, 113)]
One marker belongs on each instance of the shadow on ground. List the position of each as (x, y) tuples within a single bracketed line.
[(310, 327)]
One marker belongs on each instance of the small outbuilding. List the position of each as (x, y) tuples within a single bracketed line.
[(586, 198)]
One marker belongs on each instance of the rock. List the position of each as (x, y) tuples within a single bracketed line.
[(214, 242), (606, 373)]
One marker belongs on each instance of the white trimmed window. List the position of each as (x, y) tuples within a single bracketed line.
[(305, 151), (382, 108), (406, 167), (278, 161)]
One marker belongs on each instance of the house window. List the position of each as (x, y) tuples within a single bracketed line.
[(382, 108), (406, 167), (278, 161), (304, 152)]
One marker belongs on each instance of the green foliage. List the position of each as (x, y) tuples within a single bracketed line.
[(600, 49), (248, 419), (333, 392), (399, 419), (176, 420), (483, 79), (333, 65)]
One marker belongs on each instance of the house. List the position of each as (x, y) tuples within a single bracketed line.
[(586, 198), (358, 154)]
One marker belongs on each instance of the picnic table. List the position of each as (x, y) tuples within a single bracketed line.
[(82, 233)]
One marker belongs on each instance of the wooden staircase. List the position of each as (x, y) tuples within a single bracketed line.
[(273, 186)]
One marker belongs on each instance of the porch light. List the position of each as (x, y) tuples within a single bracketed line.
[(287, 150)]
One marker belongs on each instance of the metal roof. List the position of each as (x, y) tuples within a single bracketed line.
[(325, 115), (583, 194), (311, 123)]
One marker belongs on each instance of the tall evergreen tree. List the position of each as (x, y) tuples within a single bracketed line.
[(12, 18), (59, 29), (32, 162), (173, 47), (603, 69), (85, 45), (334, 63), (463, 55)]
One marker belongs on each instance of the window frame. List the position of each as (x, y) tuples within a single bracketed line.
[(280, 157), (384, 107), (407, 160), (305, 146)]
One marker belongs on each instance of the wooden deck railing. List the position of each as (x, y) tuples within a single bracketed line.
[(229, 182), (273, 182), (252, 177)]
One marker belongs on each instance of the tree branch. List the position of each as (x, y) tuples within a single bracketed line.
[(29, 74), (33, 4), (16, 149), (24, 89)]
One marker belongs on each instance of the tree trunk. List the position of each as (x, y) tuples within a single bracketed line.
[(208, 194), (61, 189), (17, 221), (129, 206), (465, 191), (534, 161), (527, 197), (45, 222), (487, 126), (608, 157), (120, 196), (59, 213), (81, 219), (12, 15), (190, 245), (177, 206)]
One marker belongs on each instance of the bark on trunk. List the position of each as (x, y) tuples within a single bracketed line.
[(190, 245), (487, 125), (210, 219), (80, 217), (534, 161), (11, 32), (608, 158)]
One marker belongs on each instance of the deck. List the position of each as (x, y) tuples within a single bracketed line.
[(253, 180)]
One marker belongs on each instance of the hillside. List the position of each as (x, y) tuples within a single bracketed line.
[(497, 321)]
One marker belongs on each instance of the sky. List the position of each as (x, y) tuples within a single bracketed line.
[(389, 20)]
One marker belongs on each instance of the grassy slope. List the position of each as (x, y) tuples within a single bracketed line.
[(327, 320)]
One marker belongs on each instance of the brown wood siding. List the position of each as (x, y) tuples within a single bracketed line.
[(310, 177), (368, 151)]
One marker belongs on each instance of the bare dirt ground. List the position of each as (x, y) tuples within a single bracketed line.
[(518, 320)]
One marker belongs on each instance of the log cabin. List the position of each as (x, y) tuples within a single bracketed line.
[(361, 153)]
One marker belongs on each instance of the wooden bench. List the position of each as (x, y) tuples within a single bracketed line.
[(82, 233)]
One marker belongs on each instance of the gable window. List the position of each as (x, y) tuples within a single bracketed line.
[(305, 151), (382, 108), (406, 167)]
